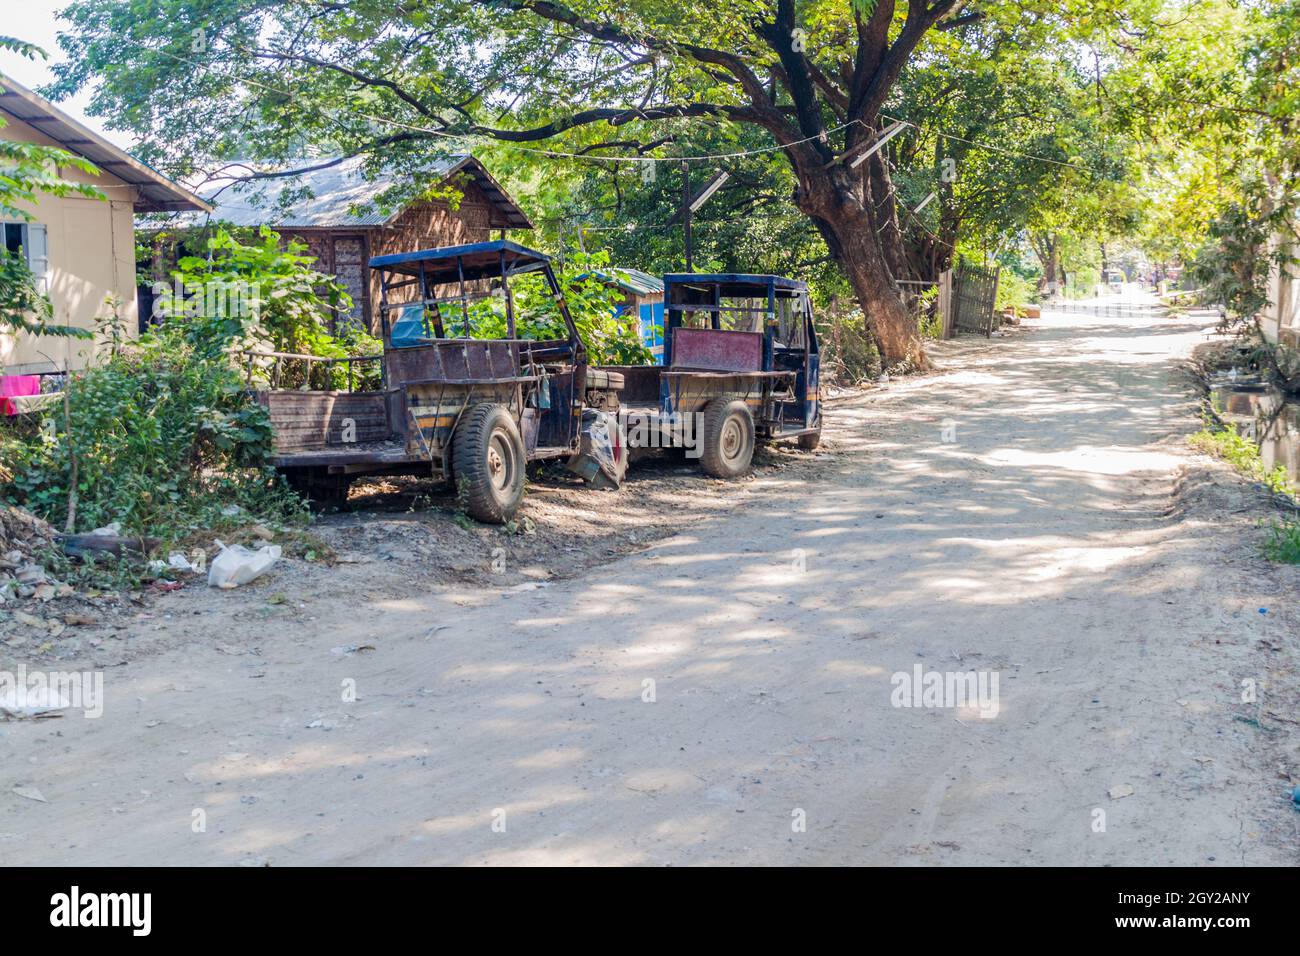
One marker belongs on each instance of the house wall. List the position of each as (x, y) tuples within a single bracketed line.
[(325, 246), (422, 225), (1280, 320), (91, 255)]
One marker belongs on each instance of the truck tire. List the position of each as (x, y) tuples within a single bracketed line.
[(728, 438), (487, 458), (810, 441)]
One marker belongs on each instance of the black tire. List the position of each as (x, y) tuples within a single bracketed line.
[(487, 458), (728, 438), (810, 441)]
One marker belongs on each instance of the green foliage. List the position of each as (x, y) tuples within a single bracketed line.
[(1243, 454), (265, 296), (160, 437), (261, 296), (1014, 290), (1283, 541), (28, 170), (610, 339), (1233, 267)]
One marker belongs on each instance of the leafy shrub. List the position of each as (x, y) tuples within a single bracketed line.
[(1233, 266), (23, 306), (160, 438), (1013, 290), (610, 338), (848, 353), (1243, 454), (1283, 541), (266, 296)]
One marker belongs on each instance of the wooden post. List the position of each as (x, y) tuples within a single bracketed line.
[(945, 304), (993, 300)]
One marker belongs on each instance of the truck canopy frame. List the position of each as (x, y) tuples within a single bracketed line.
[(478, 262)]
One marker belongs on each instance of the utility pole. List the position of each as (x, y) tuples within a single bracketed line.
[(692, 203), (686, 210)]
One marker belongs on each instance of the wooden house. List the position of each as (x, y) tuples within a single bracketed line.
[(344, 224)]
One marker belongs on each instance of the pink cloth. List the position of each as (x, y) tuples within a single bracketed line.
[(13, 385)]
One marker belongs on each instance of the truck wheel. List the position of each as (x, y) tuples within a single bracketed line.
[(728, 438), (487, 457), (810, 441)]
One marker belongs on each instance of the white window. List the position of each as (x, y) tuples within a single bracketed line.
[(32, 241)]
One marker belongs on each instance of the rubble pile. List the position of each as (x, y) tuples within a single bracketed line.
[(24, 538)]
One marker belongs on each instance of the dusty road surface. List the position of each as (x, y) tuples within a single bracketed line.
[(726, 695)]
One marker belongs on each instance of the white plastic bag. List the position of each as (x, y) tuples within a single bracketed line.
[(237, 565)]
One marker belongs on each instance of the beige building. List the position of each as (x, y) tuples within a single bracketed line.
[(1280, 320), (83, 249)]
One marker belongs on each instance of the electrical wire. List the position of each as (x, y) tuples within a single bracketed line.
[(989, 146), (589, 157), (556, 154)]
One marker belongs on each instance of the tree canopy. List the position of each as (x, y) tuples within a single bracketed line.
[(1043, 127)]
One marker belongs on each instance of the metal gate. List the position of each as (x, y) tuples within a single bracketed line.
[(968, 298)]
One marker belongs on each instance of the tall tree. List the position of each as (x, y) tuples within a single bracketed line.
[(269, 78)]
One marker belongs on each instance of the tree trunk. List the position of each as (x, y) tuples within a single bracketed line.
[(885, 212), (833, 201), (1048, 250)]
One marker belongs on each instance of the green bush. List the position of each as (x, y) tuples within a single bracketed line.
[(1283, 541), (1013, 290), (848, 353), (266, 296), (160, 438), (1243, 454), (610, 338)]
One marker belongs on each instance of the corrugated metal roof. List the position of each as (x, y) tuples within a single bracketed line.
[(157, 192), (341, 195), (633, 280)]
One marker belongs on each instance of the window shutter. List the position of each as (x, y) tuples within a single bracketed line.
[(38, 253)]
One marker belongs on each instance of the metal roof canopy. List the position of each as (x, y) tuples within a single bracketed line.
[(157, 192), (736, 285), (340, 187), (627, 280), (478, 260)]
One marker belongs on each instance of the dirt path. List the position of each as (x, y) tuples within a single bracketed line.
[(1033, 512)]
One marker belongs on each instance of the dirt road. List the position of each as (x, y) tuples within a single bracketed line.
[(724, 695)]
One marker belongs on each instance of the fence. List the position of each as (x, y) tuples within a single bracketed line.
[(967, 294)]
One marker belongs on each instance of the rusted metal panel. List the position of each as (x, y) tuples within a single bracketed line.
[(454, 360), (640, 383), (717, 350), (303, 421), (682, 394)]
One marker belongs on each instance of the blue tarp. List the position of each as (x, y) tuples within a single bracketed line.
[(409, 329)]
